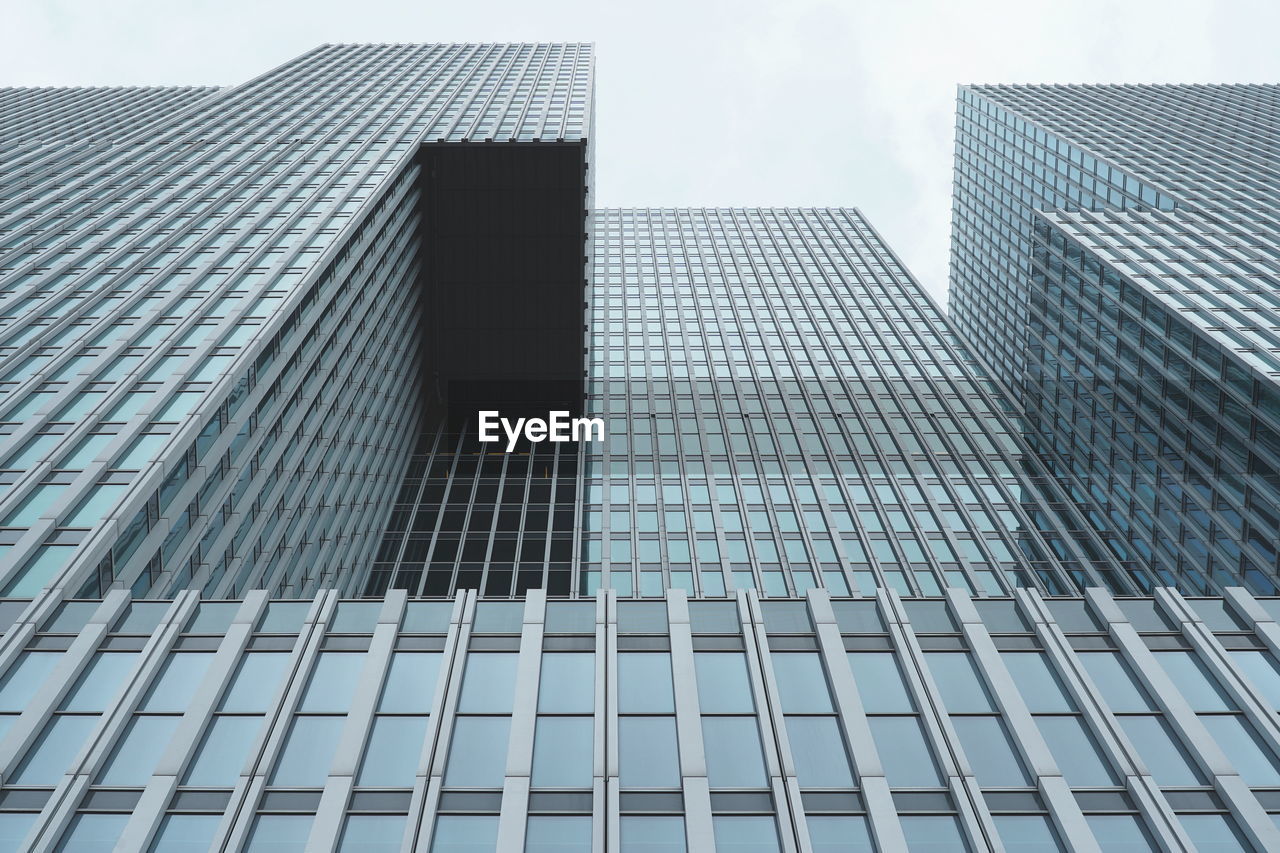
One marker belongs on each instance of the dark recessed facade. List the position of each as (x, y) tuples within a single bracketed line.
[(845, 573)]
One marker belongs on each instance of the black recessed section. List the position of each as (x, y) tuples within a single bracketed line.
[(503, 230)]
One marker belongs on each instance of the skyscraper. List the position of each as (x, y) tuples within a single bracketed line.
[(819, 588), (1114, 263)]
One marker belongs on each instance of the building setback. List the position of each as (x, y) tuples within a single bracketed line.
[(839, 578)]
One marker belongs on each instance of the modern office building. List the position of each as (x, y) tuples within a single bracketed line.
[(1115, 262), (817, 590)]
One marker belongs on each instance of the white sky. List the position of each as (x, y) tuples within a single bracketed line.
[(707, 102)]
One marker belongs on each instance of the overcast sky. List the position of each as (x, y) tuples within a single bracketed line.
[(707, 102)]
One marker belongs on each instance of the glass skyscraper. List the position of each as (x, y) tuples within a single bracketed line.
[(845, 573)]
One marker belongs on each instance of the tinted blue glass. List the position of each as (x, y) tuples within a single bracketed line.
[(907, 760), (308, 752), (933, 834), (333, 683), (562, 752), (101, 682), (566, 684), (723, 683), (1027, 834), (652, 834), (818, 749), (391, 756), (880, 683), (962, 689), (186, 833), (1213, 833), (223, 752), (1165, 759), (802, 683), (644, 683), (411, 683), (647, 756), (745, 834), (489, 685), (557, 834), (279, 833), (465, 834), (93, 833), (254, 687), (1039, 685), (990, 751), (1115, 682), (383, 833), (732, 747), (1260, 669), (183, 673), (478, 752), (1120, 833), (839, 834), (1254, 762), (136, 756), (52, 754), (23, 679), (14, 827), (1075, 752), (1195, 684)]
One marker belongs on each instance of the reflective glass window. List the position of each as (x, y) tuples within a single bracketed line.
[(489, 684), (907, 759), (391, 757), (333, 683), (186, 833), (49, 759), (819, 752), (839, 834), (223, 752), (1037, 682), (1166, 760), (135, 757), (183, 673), (1027, 833), (644, 683), (254, 687), (478, 752), (723, 684), (1120, 833), (279, 833), (367, 833), (566, 684), (308, 752), (933, 834), (802, 683), (745, 834), (656, 834), (992, 756), (411, 683), (93, 833), (733, 755), (563, 752), (1075, 752), (647, 754), (557, 834), (465, 834), (880, 683), (959, 683)]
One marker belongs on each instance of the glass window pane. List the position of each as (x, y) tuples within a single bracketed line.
[(734, 758), (24, 679), (391, 758), (224, 752), (186, 833), (256, 683), (1261, 672), (1194, 682), (819, 752), (1115, 681), (183, 673), (745, 834), (1075, 752), (1165, 759), (1213, 833), (839, 834), (644, 683), (465, 834), (14, 827), (279, 833), (557, 834), (905, 754), (52, 754), (880, 683), (367, 833), (333, 683), (933, 834), (723, 684), (562, 752), (962, 689), (567, 683), (987, 745), (489, 684), (478, 752), (101, 682), (93, 833), (1029, 833), (135, 757), (647, 754), (308, 752), (411, 683), (1037, 682), (1254, 762), (802, 683), (1120, 833), (652, 834)]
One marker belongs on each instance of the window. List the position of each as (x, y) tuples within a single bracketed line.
[(308, 752), (818, 748), (644, 683), (333, 683), (223, 752), (478, 752), (465, 834), (647, 753), (488, 685), (280, 833), (391, 757), (182, 675), (383, 833), (1253, 761), (652, 834), (880, 683), (186, 833), (563, 752), (802, 683), (136, 755), (1160, 752), (49, 759), (1120, 833), (255, 685), (557, 834), (1213, 833), (724, 686), (733, 755), (745, 834), (990, 751), (933, 834), (1027, 834), (566, 684), (411, 683), (839, 834), (1075, 752), (959, 683), (907, 759), (1037, 682), (93, 833)]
